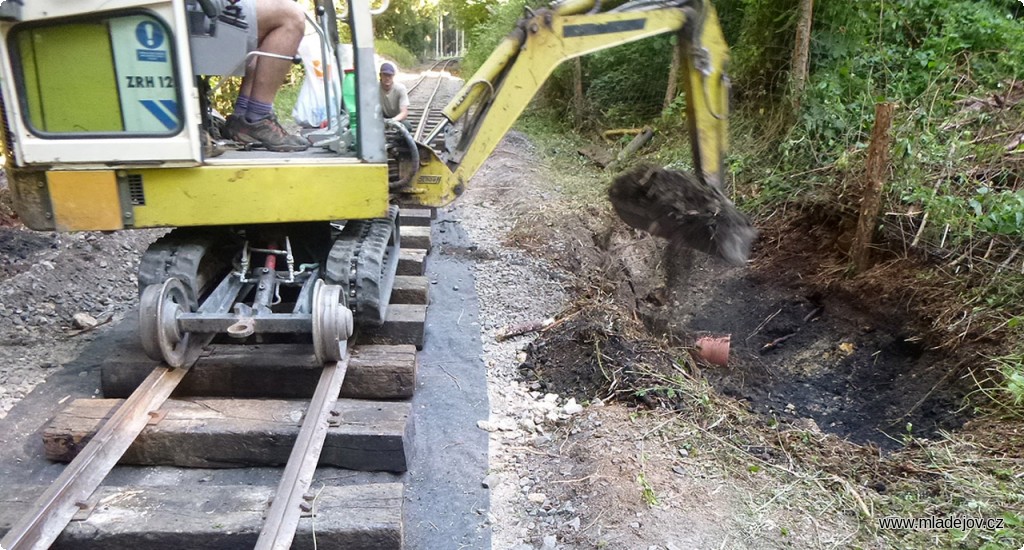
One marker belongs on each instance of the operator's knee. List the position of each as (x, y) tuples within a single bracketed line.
[(294, 18), (283, 15)]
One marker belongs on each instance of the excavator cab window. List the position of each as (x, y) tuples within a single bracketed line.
[(105, 75)]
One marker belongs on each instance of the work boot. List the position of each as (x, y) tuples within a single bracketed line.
[(266, 132), (231, 127)]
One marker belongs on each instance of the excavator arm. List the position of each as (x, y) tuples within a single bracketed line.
[(494, 97)]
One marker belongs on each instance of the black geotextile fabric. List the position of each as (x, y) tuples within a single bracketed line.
[(445, 503)]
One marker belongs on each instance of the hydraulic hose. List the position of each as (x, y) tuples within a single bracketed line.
[(413, 149)]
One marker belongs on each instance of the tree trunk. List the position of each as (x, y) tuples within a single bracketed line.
[(801, 51), (577, 92), (673, 76), (874, 183)]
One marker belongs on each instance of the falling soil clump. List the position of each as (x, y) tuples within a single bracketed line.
[(688, 212)]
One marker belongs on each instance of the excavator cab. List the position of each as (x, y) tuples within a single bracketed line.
[(120, 91)]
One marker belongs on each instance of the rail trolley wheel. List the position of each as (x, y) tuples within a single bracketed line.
[(332, 323), (159, 308)]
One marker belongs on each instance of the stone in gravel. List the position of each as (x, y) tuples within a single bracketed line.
[(84, 320), (490, 481), (572, 407), (573, 523), (550, 542), (538, 498), (486, 425)]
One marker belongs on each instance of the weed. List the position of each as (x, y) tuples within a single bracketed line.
[(646, 490)]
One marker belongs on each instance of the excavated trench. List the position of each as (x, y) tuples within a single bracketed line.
[(860, 370), (859, 366)]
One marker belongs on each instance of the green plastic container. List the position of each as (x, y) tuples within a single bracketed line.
[(348, 97)]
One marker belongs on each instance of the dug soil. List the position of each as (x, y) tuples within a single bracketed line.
[(803, 346)]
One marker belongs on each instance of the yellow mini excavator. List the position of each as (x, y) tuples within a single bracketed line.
[(106, 111)]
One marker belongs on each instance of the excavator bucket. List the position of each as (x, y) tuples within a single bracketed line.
[(683, 209)]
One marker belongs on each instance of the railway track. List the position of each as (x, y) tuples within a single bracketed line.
[(425, 114), (253, 407), (428, 95)]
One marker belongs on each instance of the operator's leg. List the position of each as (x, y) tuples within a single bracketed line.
[(280, 25)]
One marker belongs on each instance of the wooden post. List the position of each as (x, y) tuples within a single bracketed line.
[(577, 91), (801, 51), (673, 76), (874, 184)]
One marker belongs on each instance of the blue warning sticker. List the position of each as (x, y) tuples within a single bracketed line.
[(149, 34)]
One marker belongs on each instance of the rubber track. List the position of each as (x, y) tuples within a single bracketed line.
[(364, 264), (181, 254)]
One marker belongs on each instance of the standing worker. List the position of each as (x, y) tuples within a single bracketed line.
[(394, 97)]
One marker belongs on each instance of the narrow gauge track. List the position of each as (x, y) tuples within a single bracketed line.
[(241, 406), (427, 97), (425, 113)]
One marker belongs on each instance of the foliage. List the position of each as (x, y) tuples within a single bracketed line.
[(1012, 370), (395, 52), (626, 85), (409, 23), (485, 36), (468, 14), (934, 59)]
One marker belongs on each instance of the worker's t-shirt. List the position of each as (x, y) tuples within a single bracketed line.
[(391, 103)]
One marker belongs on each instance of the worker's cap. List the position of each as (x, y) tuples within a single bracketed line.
[(387, 68)]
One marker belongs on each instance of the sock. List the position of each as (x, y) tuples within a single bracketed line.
[(241, 104), (258, 110)]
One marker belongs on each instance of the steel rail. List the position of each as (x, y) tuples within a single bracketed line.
[(426, 109), (423, 76), (290, 501), (52, 511)]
